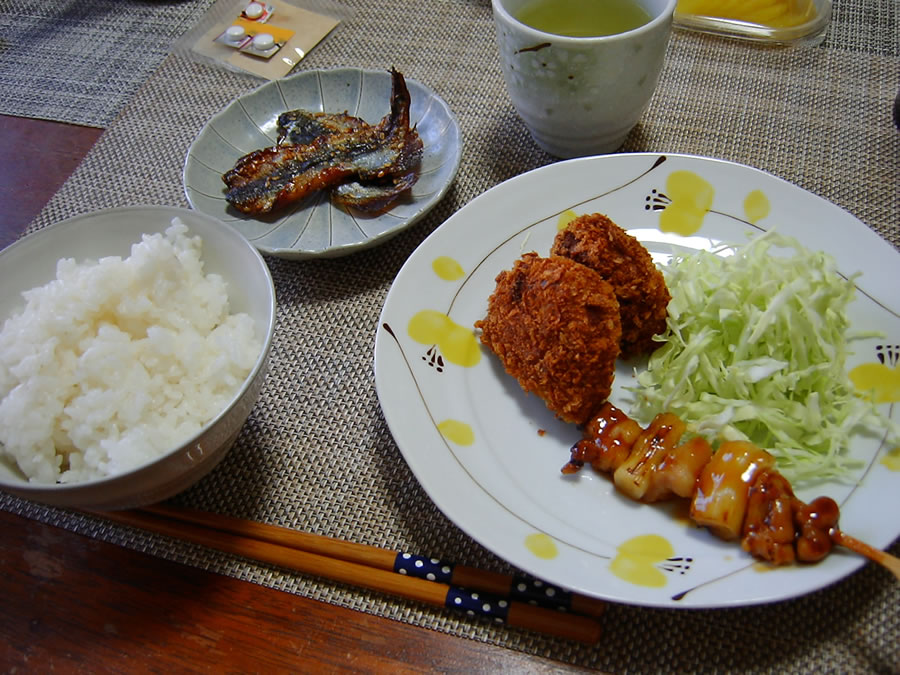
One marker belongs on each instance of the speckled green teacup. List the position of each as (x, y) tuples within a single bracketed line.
[(581, 95)]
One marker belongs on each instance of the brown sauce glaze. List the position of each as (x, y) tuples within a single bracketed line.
[(735, 492)]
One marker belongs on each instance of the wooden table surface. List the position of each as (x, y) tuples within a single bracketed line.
[(72, 603)]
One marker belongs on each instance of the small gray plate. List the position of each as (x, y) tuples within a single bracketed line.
[(315, 227)]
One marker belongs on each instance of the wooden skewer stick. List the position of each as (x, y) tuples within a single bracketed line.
[(883, 558), (522, 615), (392, 561)]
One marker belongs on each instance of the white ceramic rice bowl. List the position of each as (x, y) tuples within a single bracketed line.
[(31, 262)]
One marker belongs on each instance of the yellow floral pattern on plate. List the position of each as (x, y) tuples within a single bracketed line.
[(691, 198), (457, 432), (447, 268), (688, 197), (457, 344), (638, 558), (880, 381), (541, 545), (892, 460), (756, 206), (564, 219), (877, 380)]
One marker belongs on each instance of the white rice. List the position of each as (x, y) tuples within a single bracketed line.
[(116, 362)]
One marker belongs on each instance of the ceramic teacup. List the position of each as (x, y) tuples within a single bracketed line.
[(581, 95)]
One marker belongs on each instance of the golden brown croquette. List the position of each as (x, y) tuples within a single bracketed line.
[(554, 324), (597, 242)]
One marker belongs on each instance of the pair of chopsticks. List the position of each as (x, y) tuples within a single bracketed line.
[(517, 602)]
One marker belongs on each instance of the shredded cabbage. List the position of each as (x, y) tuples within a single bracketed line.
[(755, 350)]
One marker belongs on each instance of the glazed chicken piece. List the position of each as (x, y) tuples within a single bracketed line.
[(606, 441), (780, 528), (816, 525), (647, 465), (768, 531)]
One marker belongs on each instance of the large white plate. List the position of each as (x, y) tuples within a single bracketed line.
[(315, 227), (490, 456)]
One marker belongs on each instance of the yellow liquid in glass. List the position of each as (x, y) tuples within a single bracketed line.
[(583, 18), (771, 13)]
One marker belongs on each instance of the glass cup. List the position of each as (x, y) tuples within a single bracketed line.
[(581, 95)]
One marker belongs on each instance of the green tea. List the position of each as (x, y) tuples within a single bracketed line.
[(583, 18)]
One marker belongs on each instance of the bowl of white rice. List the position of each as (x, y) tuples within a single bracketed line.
[(133, 346)]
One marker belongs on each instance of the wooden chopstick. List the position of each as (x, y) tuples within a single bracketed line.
[(517, 588), (522, 615)]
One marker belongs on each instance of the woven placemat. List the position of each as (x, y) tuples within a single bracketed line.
[(316, 454), (80, 61)]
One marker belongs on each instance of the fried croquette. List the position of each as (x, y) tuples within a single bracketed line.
[(554, 324), (597, 242)]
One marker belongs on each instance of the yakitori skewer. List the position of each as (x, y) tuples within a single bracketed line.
[(736, 492)]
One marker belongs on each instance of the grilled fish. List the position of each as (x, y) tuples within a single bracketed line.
[(301, 127), (374, 196), (386, 154)]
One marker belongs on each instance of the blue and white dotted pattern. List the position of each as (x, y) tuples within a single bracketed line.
[(536, 592), (431, 569), (475, 603), (532, 591)]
